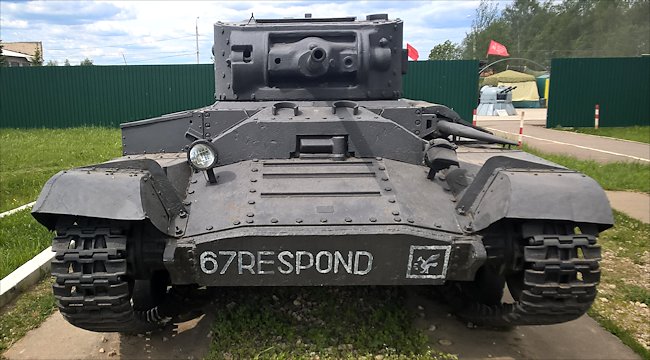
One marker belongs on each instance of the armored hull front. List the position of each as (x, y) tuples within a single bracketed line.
[(311, 170)]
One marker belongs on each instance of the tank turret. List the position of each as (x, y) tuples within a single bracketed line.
[(309, 59)]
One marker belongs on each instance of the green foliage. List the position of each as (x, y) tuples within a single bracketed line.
[(52, 63), (3, 60), (37, 58), (66, 62), (572, 28), (86, 62), (26, 313), (446, 51)]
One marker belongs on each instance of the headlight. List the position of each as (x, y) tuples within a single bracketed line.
[(202, 156)]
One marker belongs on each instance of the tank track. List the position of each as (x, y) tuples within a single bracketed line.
[(560, 276), (91, 287)]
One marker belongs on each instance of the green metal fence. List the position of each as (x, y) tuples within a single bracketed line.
[(62, 96), (620, 86), (453, 83)]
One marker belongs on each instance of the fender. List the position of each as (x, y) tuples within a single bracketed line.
[(518, 189), (128, 190)]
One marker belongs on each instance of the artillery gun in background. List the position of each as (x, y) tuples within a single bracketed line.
[(311, 170)]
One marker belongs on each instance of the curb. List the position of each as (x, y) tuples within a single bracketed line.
[(23, 207), (25, 276)]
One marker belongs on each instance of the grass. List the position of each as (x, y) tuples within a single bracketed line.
[(625, 176), (623, 303), (634, 133), (26, 313), (21, 238), (29, 157), (317, 323)]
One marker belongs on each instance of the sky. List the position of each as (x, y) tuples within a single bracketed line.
[(164, 32)]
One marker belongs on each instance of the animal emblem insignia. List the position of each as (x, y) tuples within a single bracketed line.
[(427, 261), (425, 265)]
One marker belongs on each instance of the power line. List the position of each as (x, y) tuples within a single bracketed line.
[(124, 45), (163, 57)]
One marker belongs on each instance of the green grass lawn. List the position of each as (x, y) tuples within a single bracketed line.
[(624, 293), (29, 157), (626, 176), (634, 133), (317, 323)]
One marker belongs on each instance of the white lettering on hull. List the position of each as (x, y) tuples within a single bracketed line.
[(285, 262)]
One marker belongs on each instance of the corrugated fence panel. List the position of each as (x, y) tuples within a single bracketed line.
[(100, 95), (64, 96), (452, 83), (620, 86)]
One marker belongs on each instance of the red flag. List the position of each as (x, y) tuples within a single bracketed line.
[(497, 49), (412, 53)]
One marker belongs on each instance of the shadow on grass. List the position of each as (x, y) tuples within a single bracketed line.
[(330, 322)]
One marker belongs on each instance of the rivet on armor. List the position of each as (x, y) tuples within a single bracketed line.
[(209, 227), (347, 219), (252, 190), (382, 167), (251, 202), (250, 214), (385, 178), (410, 220), (388, 188), (254, 169), (397, 219), (191, 192), (256, 160), (249, 221), (372, 219), (395, 212), (299, 221), (378, 158), (274, 220), (392, 201), (236, 222), (323, 220)]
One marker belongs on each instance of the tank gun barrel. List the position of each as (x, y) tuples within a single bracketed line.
[(449, 128), (507, 90)]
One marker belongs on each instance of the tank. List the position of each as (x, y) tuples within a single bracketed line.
[(311, 169)]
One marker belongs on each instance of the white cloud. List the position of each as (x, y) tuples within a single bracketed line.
[(163, 31)]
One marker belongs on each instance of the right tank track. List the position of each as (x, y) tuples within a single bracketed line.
[(91, 287), (560, 276)]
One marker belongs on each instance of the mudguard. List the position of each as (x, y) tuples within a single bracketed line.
[(517, 189), (120, 190)]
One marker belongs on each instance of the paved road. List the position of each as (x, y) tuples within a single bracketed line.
[(582, 146), (636, 205)]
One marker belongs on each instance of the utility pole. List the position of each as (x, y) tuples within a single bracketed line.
[(197, 39)]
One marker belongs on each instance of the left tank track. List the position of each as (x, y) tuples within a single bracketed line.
[(91, 287)]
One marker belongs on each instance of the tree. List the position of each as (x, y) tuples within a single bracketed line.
[(66, 62), (3, 60), (487, 25), (52, 63), (86, 62), (37, 58), (446, 51)]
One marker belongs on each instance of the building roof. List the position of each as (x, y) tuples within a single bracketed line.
[(508, 76), (16, 54)]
